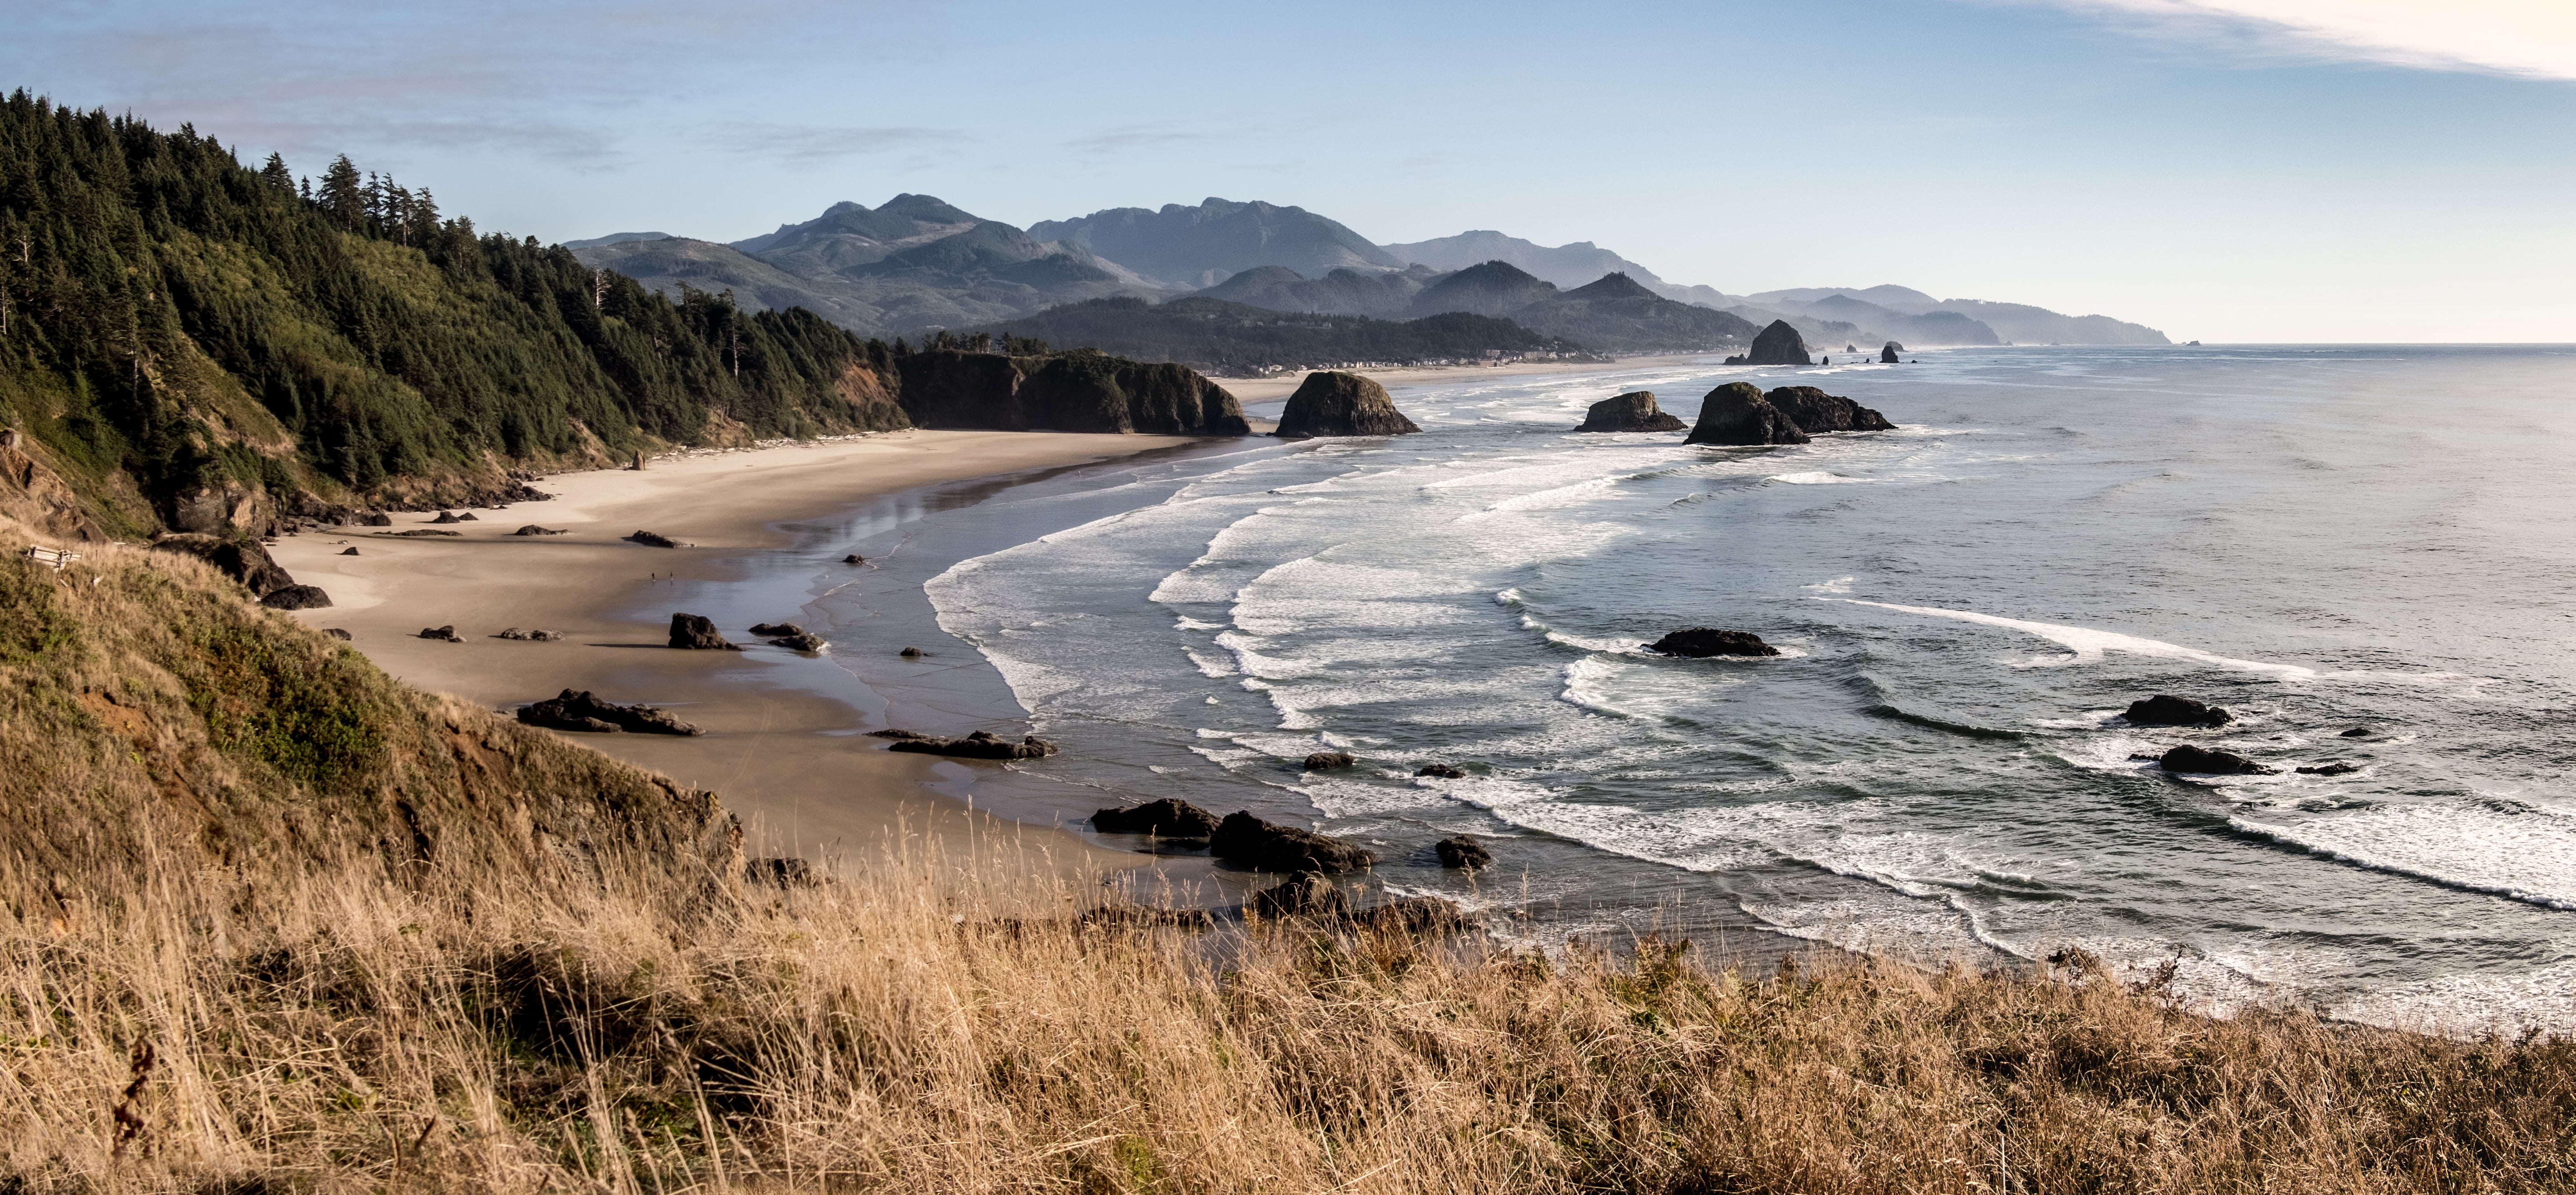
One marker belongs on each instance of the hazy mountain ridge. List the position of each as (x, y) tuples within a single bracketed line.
[(918, 263)]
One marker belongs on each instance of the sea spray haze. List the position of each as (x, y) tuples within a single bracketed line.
[(2324, 540)]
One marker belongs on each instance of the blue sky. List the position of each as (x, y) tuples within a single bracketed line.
[(2228, 170)]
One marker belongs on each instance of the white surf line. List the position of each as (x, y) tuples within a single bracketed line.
[(2089, 645)]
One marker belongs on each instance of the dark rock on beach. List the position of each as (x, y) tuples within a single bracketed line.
[(1248, 841), (1779, 344), (1699, 643), (522, 633), (297, 597), (422, 533), (800, 641), (697, 632), (2165, 709), (2331, 768), (1325, 761), (2202, 761), (583, 710), (896, 733), (339, 633), (348, 551), (533, 529), (375, 518), (1463, 852), (1341, 404), (781, 629), (1815, 411), (1166, 818), (652, 540), (447, 633), (1737, 415), (1633, 412), (980, 745), (242, 560), (1302, 894), (912, 653), (854, 558)]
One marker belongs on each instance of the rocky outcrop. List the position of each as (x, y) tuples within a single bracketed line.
[(2205, 762), (697, 632), (1341, 404), (1415, 915), (1441, 771), (533, 529), (1779, 344), (982, 744), (583, 710), (1699, 643), (1326, 761), (1462, 852), (2165, 709), (240, 559), (375, 518), (1080, 391), (296, 597), (34, 494), (1815, 411), (1736, 415), (446, 633), (1632, 412), (2330, 768), (1302, 894), (526, 635), (1166, 818), (782, 629), (800, 641), (1888, 355), (1248, 841), (653, 540)]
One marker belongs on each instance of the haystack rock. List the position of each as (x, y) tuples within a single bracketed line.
[(1887, 356), (1341, 404), (1736, 414), (1779, 344), (1632, 412), (1814, 410)]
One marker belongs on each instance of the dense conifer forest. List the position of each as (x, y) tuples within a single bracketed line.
[(184, 333)]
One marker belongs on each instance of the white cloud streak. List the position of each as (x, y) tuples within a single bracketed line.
[(2531, 39)]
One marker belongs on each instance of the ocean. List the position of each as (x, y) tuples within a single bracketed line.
[(2321, 539)]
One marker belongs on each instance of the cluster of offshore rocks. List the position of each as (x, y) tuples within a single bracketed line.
[(1781, 344), (1308, 859), (2165, 709)]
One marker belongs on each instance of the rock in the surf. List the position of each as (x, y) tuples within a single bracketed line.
[(1247, 841), (697, 632), (1166, 818), (982, 744), (1887, 356), (780, 629), (1302, 894), (1815, 411), (1326, 761), (912, 653), (800, 641), (1699, 643), (2335, 767), (1778, 344), (1462, 852), (583, 710), (2165, 709), (1736, 415), (1441, 771), (1632, 412), (2358, 732), (2205, 762), (1328, 403), (1415, 915)]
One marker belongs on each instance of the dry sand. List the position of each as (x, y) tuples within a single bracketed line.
[(780, 746)]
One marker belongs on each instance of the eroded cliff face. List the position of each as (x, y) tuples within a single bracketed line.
[(1066, 392), (32, 493)]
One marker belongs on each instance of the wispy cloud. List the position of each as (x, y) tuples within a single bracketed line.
[(806, 146), (2533, 39), (1135, 137)]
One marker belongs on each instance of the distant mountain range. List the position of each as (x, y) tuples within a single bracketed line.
[(918, 264)]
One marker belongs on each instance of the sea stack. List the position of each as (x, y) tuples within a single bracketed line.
[(1779, 344), (1814, 410), (1887, 356), (1341, 404), (1736, 414), (1632, 412)]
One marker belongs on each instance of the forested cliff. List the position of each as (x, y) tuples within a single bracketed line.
[(196, 343)]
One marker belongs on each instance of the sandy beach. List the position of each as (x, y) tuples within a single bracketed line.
[(783, 743)]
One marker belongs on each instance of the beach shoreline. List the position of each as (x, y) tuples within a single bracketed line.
[(785, 742)]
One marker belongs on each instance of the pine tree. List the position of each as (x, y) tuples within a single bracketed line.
[(343, 196)]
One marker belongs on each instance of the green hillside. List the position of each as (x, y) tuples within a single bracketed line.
[(195, 341)]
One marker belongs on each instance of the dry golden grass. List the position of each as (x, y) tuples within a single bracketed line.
[(450, 999)]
